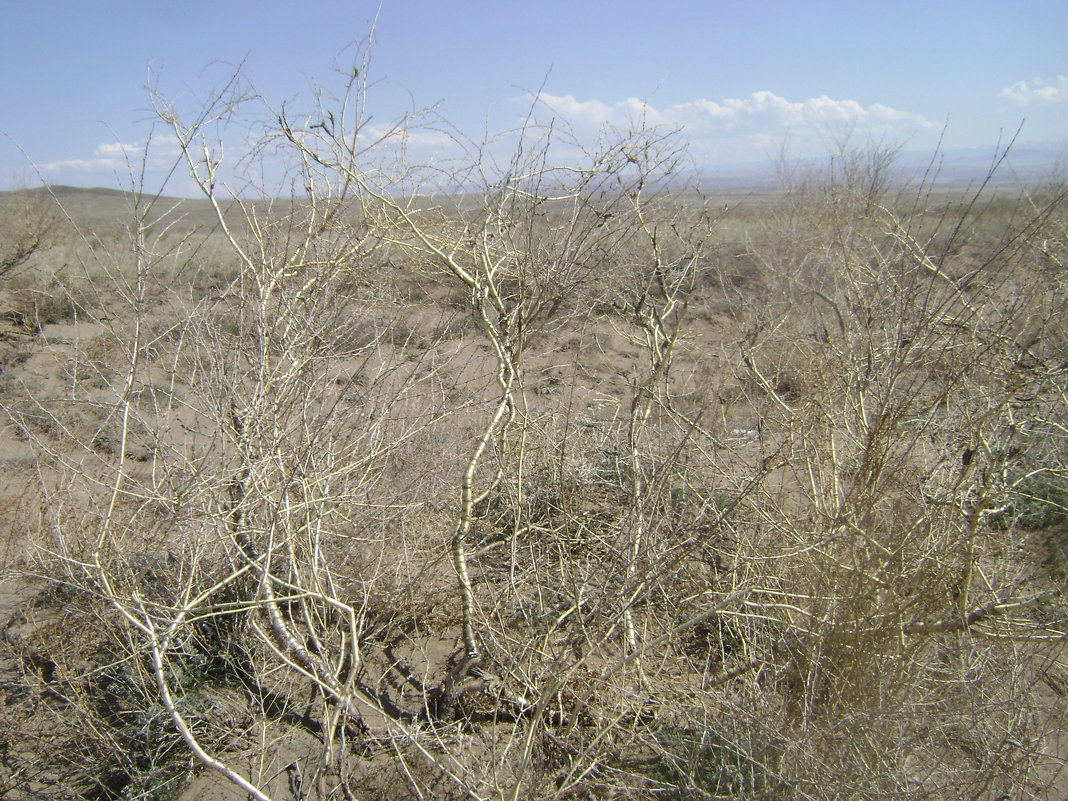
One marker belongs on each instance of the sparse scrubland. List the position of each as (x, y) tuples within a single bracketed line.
[(574, 484)]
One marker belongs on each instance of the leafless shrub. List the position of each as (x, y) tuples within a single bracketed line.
[(327, 532), (28, 223)]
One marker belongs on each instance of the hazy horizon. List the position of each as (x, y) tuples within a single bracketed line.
[(740, 82)]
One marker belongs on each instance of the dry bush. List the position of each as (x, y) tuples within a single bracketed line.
[(29, 219), (894, 401), (366, 515)]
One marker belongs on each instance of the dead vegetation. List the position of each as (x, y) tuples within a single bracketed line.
[(549, 492)]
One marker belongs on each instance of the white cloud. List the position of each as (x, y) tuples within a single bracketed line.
[(764, 110), (744, 128), (1037, 92), (718, 131), (157, 152), (594, 113)]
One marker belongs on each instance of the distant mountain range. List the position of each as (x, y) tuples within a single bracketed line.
[(1024, 165)]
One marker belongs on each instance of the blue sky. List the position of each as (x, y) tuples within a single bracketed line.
[(738, 77)]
